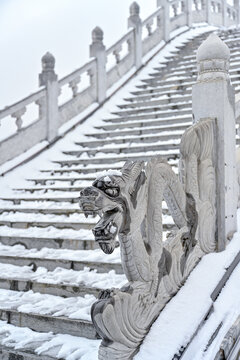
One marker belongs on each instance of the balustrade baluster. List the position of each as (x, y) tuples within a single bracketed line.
[(149, 27), (116, 53), (74, 85), (18, 116)]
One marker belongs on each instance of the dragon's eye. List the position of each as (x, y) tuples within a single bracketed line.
[(112, 192)]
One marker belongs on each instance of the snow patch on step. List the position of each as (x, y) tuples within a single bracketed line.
[(49, 232), (44, 304), (65, 346), (63, 254), (62, 276)]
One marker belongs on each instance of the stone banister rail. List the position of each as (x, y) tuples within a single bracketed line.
[(39, 116)]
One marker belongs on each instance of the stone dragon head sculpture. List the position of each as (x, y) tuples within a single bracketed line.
[(129, 203)]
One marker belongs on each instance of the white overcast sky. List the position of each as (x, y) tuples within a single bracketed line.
[(30, 28)]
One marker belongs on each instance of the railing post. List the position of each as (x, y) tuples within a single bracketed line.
[(208, 11), (213, 97), (98, 50), (189, 12), (135, 21), (49, 79), (166, 18), (236, 7), (224, 12)]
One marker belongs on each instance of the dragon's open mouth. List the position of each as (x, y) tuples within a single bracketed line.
[(105, 232)]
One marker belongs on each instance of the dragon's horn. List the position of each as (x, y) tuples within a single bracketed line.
[(131, 170)]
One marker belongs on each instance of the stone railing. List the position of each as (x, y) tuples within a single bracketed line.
[(39, 116)]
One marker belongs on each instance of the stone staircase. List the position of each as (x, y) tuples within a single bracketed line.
[(51, 269)]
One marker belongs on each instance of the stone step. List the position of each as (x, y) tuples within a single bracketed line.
[(165, 125), (187, 72), (131, 139), (151, 109), (179, 114), (88, 169), (45, 211), (53, 179), (18, 224), (52, 263), (173, 154), (168, 81), (63, 290), (18, 199), (8, 353), (166, 100), (72, 188), (84, 169), (56, 243), (182, 59), (169, 94), (137, 128), (163, 90), (167, 84), (124, 149), (174, 86), (41, 323)]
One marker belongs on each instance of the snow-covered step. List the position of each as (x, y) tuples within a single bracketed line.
[(8, 354), (19, 343), (133, 139), (167, 84), (88, 169), (181, 104), (163, 101), (50, 188), (180, 114), (53, 263), (168, 95), (54, 179), (24, 224), (51, 242), (162, 90), (171, 154), (129, 148), (45, 211), (140, 131), (188, 72), (58, 198), (41, 322), (172, 121), (64, 290), (192, 58), (183, 80), (60, 282)]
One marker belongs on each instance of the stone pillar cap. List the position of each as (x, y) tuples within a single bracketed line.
[(213, 48), (213, 59), (97, 34), (48, 62), (134, 9)]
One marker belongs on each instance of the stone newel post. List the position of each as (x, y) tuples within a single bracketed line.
[(97, 50), (213, 97), (49, 79), (135, 21), (166, 18)]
